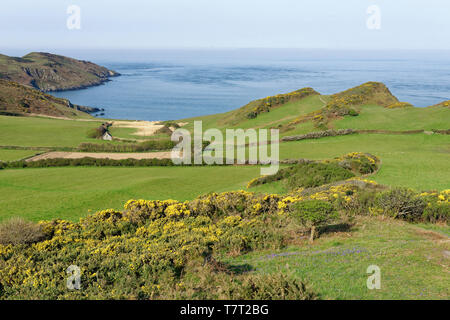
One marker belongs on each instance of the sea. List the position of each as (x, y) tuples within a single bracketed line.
[(169, 84)]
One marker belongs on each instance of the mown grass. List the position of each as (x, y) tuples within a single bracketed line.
[(378, 118), (12, 155), (68, 193), (44, 132), (412, 261), (124, 133)]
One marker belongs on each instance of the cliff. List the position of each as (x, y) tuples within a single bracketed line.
[(50, 72)]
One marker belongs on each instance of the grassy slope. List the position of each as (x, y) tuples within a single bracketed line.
[(279, 115), (68, 193), (371, 117), (17, 99), (411, 260)]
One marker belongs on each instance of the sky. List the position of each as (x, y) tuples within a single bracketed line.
[(145, 24)]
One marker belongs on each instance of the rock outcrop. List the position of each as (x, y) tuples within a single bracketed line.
[(50, 72)]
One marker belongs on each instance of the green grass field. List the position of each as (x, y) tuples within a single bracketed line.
[(68, 193), (418, 161), (12, 155), (411, 261), (379, 118), (44, 132)]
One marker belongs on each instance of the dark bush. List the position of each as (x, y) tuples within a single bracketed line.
[(96, 133), (307, 175), (437, 212), (19, 231), (213, 285), (61, 162), (401, 203), (149, 145), (316, 174)]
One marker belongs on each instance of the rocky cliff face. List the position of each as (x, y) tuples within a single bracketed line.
[(49, 72)]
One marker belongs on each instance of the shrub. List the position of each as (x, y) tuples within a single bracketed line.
[(437, 211), (149, 145), (212, 285), (401, 203), (314, 213), (18, 231), (98, 162), (358, 162), (172, 124), (307, 175), (319, 134), (438, 206), (359, 203), (96, 133), (164, 130), (316, 174)]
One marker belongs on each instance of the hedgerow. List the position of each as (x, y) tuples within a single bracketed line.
[(150, 145), (87, 161)]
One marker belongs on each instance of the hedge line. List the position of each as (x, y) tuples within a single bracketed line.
[(343, 132), (61, 162)]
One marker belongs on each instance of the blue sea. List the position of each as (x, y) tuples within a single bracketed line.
[(175, 84)]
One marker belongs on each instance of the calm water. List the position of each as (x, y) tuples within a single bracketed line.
[(174, 84)]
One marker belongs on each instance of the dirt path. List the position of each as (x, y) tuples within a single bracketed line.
[(143, 128), (101, 155)]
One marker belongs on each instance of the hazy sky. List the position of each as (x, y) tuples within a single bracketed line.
[(332, 24)]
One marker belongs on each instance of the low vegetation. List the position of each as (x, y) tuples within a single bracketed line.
[(170, 249), (149, 145), (308, 174), (17, 231)]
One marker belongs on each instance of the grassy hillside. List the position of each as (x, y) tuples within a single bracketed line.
[(368, 106), (410, 258), (255, 108), (49, 72), (17, 99)]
